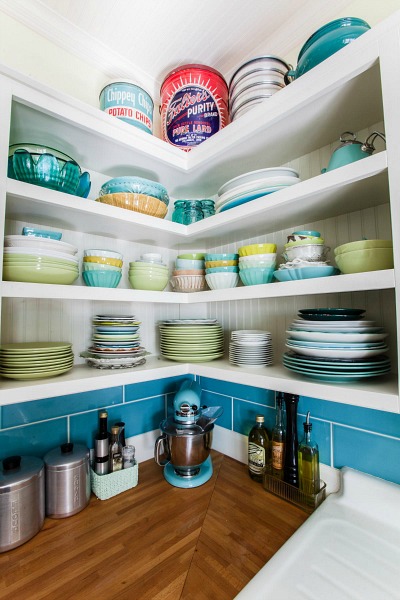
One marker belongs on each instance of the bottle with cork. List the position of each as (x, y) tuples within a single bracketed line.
[(258, 450)]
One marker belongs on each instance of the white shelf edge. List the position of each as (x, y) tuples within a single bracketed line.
[(382, 395), (323, 285)]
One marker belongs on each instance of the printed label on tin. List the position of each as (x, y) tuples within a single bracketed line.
[(192, 116), (129, 103)]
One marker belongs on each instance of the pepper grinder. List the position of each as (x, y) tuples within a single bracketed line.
[(291, 472)]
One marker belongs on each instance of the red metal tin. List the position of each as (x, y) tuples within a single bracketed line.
[(194, 105)]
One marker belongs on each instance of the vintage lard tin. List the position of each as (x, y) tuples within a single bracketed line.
[(128, 102), (194, 105)]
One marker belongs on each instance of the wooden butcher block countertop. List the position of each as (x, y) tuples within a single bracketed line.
[(155, 542)]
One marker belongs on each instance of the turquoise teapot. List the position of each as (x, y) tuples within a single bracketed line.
[(351, 150)]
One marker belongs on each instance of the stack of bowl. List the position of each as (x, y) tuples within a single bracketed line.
[(39, 260), (255, 81), (137, 194), (47, 167), (222, 271), (305, 258), (148, 273), (364, 255), (257, 263), (189, 273), (102, 268)]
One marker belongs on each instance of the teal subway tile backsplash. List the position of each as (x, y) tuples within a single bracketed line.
[(374, 454), (360, 437), (38, 410), (136, 391), (33, 440), (244, 416), (237, 390)]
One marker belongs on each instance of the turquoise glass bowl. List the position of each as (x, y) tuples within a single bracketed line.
[(108, 279), (135, 185), (257, 276), (48, 168), (326, 41)]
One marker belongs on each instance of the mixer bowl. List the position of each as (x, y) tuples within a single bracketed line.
[(186, 451)]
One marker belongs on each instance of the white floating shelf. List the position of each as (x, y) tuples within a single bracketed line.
[(322, 285), (380, 394)]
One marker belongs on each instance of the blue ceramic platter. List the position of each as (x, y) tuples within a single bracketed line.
[(247, 198)]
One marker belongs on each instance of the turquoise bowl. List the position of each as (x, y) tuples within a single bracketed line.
[(257, 276), (221, 257), (222, 270), (282, 275), (135, 185), (108, 279), (326, 41), (305, 273), (48, 168)]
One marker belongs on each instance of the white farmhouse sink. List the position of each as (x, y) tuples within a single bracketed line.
[(348, 549)]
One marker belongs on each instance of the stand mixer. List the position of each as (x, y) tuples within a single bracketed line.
[(185, 444)]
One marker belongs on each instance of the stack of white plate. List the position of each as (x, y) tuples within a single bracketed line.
[(35, 360), (250, 348), (336, 344), (115, 343), (35, 259), (253, 185), (194, 340)]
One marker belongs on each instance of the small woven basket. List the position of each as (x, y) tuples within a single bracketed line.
[(107, 486)]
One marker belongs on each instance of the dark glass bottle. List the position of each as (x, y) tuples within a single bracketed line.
[(115, 454), (121, 426), (278, 441), (308, 455), (290, 472), (101, 446), (258, 450)]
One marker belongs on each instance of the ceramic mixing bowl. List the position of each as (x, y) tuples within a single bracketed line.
[(256, 249), (370, 259), (363, 245), (219, 281), (108, 279), (257, 276)]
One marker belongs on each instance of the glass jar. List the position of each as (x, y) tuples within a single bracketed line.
[(177, 215), (128, 456), (192, 212), (208, 207)]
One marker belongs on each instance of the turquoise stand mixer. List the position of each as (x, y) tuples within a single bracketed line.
[(184, 447)]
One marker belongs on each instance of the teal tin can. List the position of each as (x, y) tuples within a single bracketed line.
[(129, 102)]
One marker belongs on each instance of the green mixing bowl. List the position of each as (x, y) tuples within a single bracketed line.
[(360, 261), (40, 275)]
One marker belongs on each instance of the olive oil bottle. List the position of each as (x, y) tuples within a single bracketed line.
[(308, 462), (258, 450)]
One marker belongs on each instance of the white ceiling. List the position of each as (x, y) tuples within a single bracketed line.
[(144, 40)]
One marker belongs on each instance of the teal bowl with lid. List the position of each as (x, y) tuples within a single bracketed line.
[(327, 40)]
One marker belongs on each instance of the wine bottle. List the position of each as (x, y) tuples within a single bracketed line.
[(101, 446), (308, 455), (258, 450), (278, 441), (115, 454)]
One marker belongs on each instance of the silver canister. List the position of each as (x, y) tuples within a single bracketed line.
[(67, 480), (22, 500)]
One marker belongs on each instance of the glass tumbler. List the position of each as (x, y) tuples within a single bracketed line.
[(128, 456), (177, 215), (208, 207), (192, 212)]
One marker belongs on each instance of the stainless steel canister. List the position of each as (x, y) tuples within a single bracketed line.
[(22, 500), (67, 480)]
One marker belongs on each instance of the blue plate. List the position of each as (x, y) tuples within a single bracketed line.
[(244, 199), (117, 329)]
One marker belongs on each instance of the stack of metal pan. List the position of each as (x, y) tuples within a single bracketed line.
[(255, 81)]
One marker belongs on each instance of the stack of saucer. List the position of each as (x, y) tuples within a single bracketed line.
[(250, 348), (116, 343)]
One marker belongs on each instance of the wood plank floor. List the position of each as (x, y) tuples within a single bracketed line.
[(155, 542)]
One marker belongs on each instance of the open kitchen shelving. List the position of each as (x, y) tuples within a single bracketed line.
[(356, 86)]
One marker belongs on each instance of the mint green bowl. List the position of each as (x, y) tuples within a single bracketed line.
[(99, 267), (146, 282), (40, 275)]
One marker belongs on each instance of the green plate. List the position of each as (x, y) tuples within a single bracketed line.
[(10, 364), (35, 375), (34, 347), (193, 358)]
